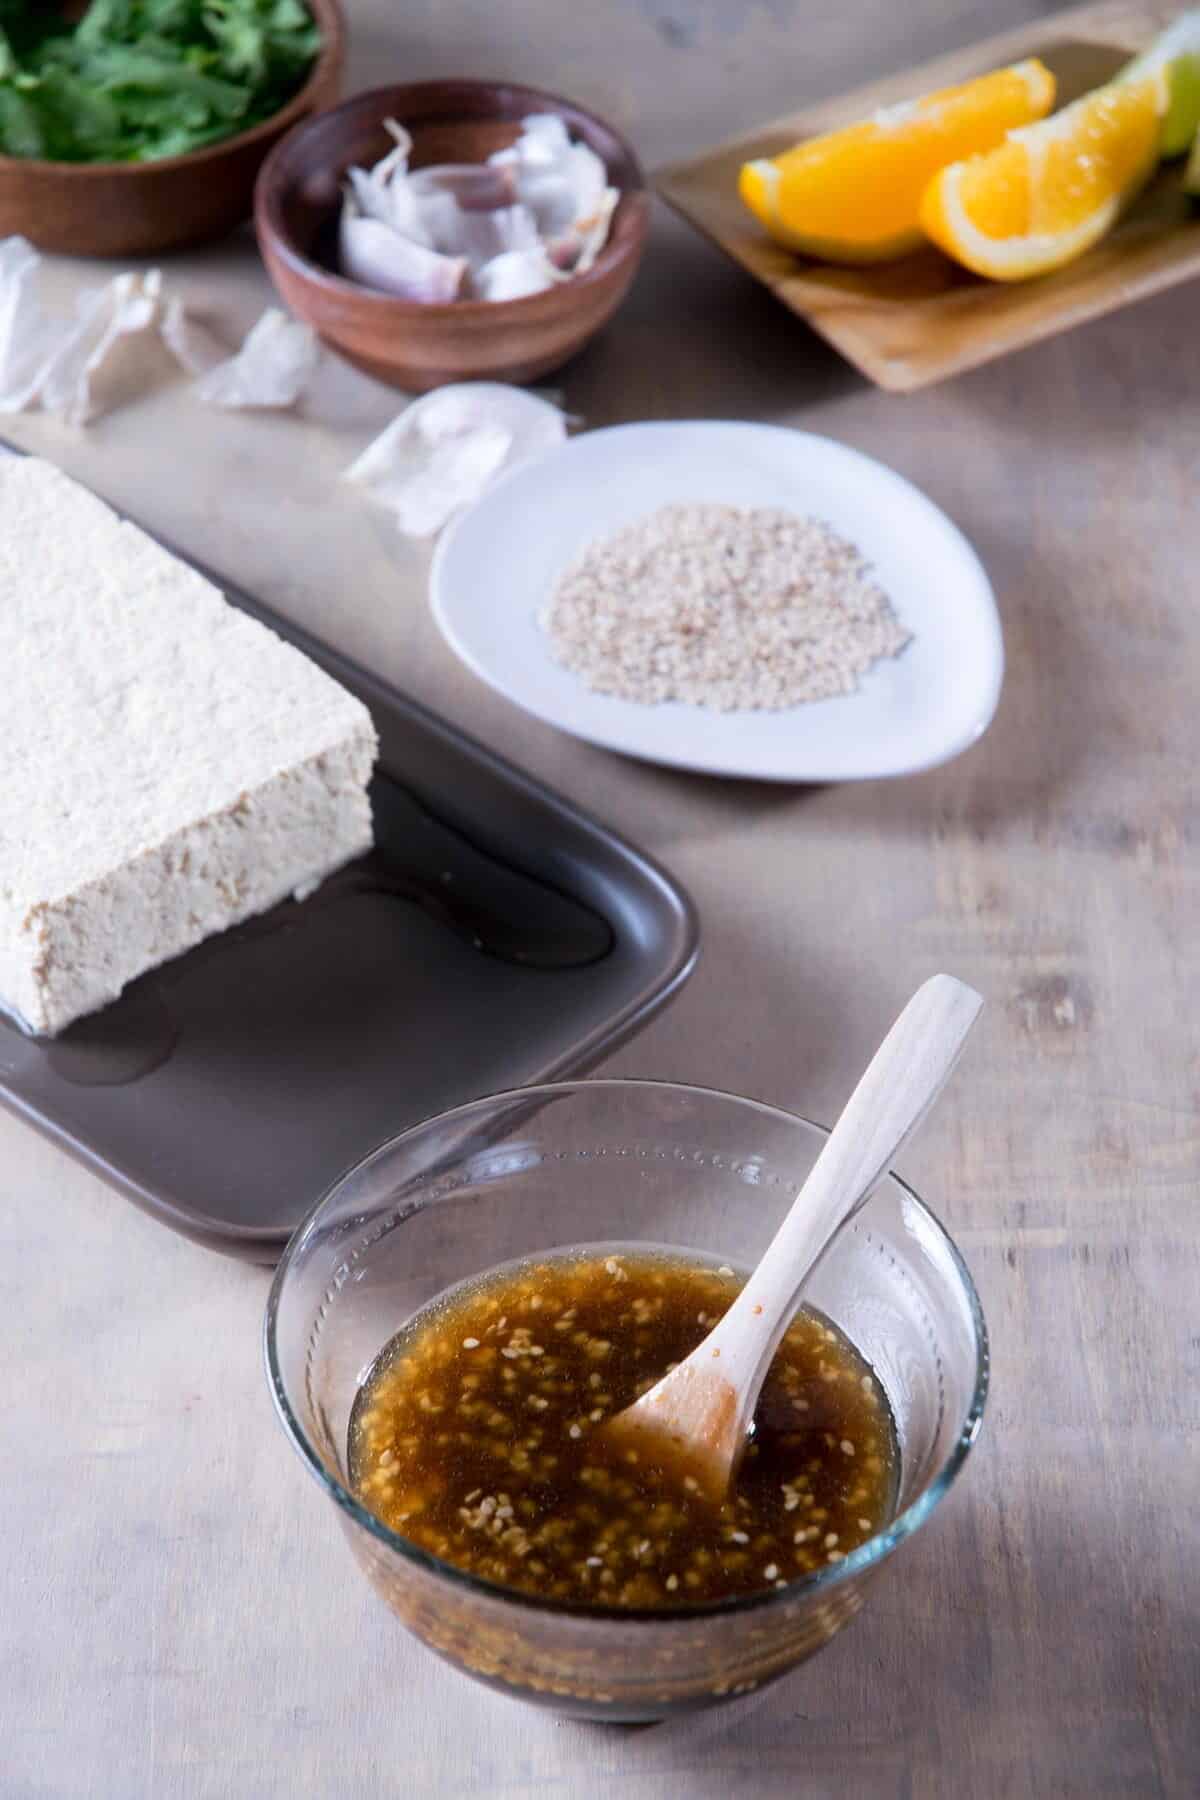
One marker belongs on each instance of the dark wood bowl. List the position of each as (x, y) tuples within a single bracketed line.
[(138, 209), (409, 344)]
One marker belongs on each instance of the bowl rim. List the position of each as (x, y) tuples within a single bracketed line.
[(275, 240), (821, 1581), (327, 64)]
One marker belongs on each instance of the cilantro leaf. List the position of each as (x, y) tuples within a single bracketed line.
[(139, 79)]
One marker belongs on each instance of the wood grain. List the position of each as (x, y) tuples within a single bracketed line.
[(923, 318), (179, 1618)]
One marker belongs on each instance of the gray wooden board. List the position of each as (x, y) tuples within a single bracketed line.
[(178, 1613)]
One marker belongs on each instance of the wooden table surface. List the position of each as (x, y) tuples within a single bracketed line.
[(178, 1615)]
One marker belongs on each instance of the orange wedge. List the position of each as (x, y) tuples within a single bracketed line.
[(1049, 192), (854, 196)]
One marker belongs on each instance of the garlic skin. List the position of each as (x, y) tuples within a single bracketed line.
[(445, 449), (29, 338), (193, 343), (272, 369), (58, 363), (125, 306), (385, 192), (592, 235), (79, 365)]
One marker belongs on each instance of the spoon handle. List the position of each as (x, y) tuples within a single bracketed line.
[(902, 1081)]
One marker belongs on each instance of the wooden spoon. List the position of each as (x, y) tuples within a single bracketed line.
[(699, 1415)]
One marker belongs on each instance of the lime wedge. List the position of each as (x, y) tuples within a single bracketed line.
[(1191, 175), (1177, 49)]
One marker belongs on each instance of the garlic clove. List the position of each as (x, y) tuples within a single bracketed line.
[(552, 200), (392, 204), (515, 274), (544, 140), (533, 213), (475, 186), (563, 183), (372, 253), (481, 236)]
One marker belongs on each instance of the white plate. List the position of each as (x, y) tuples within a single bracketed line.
[(498, 564)]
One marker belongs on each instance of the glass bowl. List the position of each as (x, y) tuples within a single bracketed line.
[(628, 1161)]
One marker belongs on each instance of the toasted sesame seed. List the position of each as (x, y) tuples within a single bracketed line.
[(830, 1539), (771, 1571), (847, 1447), (799, 616)]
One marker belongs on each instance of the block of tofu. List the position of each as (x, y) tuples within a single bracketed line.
[(168, 766)]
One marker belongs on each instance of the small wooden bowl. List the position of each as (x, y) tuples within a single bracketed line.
[(138, 209), (403, 342)]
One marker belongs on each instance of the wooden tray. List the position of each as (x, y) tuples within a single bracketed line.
[(908, 323)]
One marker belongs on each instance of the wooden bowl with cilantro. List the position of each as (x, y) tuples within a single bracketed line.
[(129, 127)]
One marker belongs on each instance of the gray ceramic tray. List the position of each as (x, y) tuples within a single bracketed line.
[(497, 936)]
